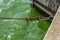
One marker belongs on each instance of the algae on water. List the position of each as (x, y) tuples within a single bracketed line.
[(17, 29)]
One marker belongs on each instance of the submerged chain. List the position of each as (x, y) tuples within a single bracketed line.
[(28, 19)]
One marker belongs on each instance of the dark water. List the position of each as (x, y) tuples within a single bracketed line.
[(18, 29)]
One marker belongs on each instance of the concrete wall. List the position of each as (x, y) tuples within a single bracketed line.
[(52, 4)]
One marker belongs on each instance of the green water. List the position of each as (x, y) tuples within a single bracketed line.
[(18, 29)]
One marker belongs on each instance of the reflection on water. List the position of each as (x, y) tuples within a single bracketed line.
[(18, 29)]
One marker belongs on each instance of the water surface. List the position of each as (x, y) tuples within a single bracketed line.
[(18, 29)]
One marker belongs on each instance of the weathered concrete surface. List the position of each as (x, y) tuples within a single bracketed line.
[(52, 4), (54, 30)]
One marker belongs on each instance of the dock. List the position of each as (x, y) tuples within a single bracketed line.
[(53, 32)]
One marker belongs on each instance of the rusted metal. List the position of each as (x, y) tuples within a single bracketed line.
[(27, 19)]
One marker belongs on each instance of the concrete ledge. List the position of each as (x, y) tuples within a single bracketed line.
[(53, 32)]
